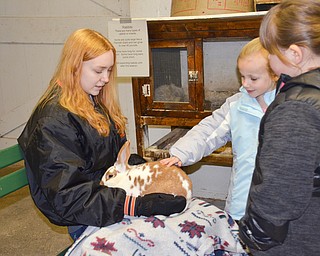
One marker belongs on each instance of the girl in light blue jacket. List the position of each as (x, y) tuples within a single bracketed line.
[(237, 120)]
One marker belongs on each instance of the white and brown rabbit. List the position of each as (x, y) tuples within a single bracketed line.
[(147, 178)]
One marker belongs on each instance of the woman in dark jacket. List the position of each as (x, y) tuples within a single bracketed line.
[(74, 134), (282, 216)]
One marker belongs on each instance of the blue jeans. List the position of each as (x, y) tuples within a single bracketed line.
[(76, 231)]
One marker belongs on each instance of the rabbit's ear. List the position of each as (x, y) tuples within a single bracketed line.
[(123, 157)]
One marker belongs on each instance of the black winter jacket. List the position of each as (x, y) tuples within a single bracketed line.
[(282, 216), (65, 159)]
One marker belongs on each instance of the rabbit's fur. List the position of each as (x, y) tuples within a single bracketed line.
[(146, 178)]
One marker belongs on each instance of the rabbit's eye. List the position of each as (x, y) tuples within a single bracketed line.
[(110, 176)]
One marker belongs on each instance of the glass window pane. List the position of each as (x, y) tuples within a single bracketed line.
[(170, 74), (220, 71)]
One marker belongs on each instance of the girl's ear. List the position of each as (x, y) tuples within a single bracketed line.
[(294, 53)]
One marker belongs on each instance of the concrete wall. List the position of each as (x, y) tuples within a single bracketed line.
[(32, 34)]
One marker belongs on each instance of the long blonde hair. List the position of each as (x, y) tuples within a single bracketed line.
[(291, 22), (83, 45)]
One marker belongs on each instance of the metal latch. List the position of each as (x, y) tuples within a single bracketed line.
[(193, 76), (146, 90)]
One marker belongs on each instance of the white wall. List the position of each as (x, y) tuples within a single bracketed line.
[(150, 8), (32, 34), (31, 37)]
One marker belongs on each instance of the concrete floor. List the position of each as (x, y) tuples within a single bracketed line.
[(23, 228), (25, 231)]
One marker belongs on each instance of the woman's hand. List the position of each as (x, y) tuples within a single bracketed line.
[(171, 161)]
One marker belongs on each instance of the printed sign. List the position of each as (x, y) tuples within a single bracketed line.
[(130, 38)]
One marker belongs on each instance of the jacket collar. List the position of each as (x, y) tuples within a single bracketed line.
[(250, 105), (247, 99), (310, 78)]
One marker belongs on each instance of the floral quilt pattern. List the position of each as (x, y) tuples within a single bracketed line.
[(203, 229)]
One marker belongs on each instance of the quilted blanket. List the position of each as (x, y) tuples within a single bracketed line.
[(203, 229)]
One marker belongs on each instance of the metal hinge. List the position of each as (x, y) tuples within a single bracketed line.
[(146, 90), (193, 76)]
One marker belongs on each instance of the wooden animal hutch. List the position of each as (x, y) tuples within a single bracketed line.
[(185, 85)]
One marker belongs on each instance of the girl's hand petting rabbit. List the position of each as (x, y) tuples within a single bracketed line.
[(171, 161)]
